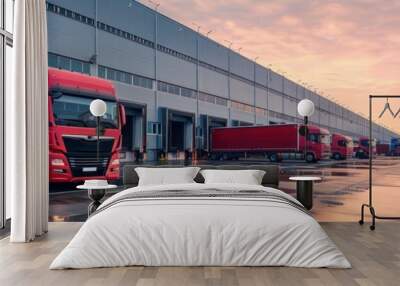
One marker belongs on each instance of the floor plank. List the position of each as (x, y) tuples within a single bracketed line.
[(375, 257)]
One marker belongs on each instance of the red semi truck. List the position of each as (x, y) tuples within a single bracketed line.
[(274, 141), (383, 149), (361, 148), (72, 128), (341, 146)]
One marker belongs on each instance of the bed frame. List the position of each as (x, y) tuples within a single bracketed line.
[(270, 179)]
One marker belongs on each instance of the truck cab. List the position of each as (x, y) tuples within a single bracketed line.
[(361, 150), (72, 128), (318, 144), (394, 147), (341, 146)]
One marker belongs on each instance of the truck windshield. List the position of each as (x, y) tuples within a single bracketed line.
[(345, 143), (320, 138), (325, 139), (70, 110), (365, 143)]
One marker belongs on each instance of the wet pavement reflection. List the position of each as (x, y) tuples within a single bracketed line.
[(338, 197)]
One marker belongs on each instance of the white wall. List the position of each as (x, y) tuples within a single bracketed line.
[(83, 7), (135, 18), (241, 91), (290, 88), (175, 36), (213, 110), (261, 75), (261, 98), (275, 81), (177, 71), (125, 55), (213, 82), (242, 66), (242, 116), (212, 52), (289, 107), (275, 102), (176, 102), (62, 30)]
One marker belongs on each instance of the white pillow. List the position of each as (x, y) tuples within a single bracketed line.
[(248, 177), (166, 176)]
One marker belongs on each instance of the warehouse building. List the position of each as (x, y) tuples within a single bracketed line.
[(175, 83)]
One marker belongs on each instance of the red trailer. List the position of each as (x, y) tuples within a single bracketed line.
[(361, 149), (341, 146), (274, 141), (72, 128), (383, 149)]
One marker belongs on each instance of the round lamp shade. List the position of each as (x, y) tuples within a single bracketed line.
[(98, 107), (305, 107)]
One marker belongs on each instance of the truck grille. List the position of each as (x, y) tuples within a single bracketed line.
[(82, 155), (88, 166), (84, 161)]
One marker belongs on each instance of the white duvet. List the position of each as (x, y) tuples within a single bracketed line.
[(206, 231)]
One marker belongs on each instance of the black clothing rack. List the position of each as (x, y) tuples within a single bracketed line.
[(370, 203)]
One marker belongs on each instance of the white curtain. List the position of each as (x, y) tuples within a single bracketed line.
[(27, 124)]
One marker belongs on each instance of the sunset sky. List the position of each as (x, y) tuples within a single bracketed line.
[(346, 49)]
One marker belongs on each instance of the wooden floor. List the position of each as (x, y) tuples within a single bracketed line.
[(375, 257)]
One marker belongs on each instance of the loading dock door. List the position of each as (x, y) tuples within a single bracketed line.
[(178, 132), (177, 136), (134, 133)]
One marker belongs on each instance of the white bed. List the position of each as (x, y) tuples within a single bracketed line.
[(202, 231)]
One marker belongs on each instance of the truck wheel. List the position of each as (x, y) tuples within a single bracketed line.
[(337, 156), (273, 157), (310, 158)]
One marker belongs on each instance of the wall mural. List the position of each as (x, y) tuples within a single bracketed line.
[(173, 96)]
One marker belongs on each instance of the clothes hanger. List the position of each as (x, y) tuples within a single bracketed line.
[(387, 107), (397, 113)]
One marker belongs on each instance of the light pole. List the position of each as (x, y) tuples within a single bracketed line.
[(229, 81), (98, 108), (254, 91), (197, 121), (305, 108)]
